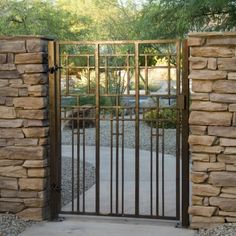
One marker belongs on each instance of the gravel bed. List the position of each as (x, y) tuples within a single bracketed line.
[(129, 136), (67, 185), (10, 225), (221, 230)]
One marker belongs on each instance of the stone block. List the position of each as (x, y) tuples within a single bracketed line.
[(229, 190), (202, 86), (35, 163), (206, 201), (12, 207), (36, 45), (201, 140), (30, 103), (32, 183), (8, 183), (35, 123), (36, 132), (32, 114), (4, 82), (36, 214), (221, 41), (23, 92), (37, 172), (198, 129), (16, 46), (198, 63), (22, 153), (7, 67), (9, 101), (227, 213), (229, 159), (35, 79), (227, 195), (7, 112), (227, 64), (18, 194), (207, 149), (222, 179), (230, 150), (208, 106), (212, 166), (212, 64), (231, 168), (200, 96), (8, 91), (225, 204), (232, 76), (32, 68), (200, 157), (207, 75), (199, 177), (206, 222), (202, 211), (196, 200), (224, 86), (34, 202), (227, 132), (227, 142), (11, 133), (11, 162), (3, 58), (230, 219), (196, 41), (234, 119), (31, 58), (210, 118), (205, 190), (13, 74), (26, 142), (13, 171), (232, 107), (212, 52), (16, 123), (10, 57), (43, 141), (224, 98), (38, 90)]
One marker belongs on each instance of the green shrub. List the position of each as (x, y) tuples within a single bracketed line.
[(166, 118)]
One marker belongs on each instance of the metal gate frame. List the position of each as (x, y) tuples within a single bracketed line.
[(55, 125)]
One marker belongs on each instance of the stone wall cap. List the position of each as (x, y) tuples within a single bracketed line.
[(212, 34), (20, 37)]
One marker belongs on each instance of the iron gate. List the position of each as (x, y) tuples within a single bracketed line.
[(119, 114)]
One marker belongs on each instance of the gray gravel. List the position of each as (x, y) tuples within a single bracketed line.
[(10, 225), (67, 184), (221, 230), (129, 136)]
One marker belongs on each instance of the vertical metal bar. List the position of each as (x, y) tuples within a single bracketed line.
[(128, 74), (117, 155), (151, 167), (72, 161), (185, 133), (106, 75), (54, 162), (169, 79), (177, 178), (123, 166), (111, 167), (88, 68), (84, 174), (146, 75), (163, 169), (97, 72), (137, 128), (78, 157), (157, 158), (67, 76)]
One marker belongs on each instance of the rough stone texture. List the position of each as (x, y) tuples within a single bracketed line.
[(210, 118), (24, 127), (208, 106), (222, 179), (202, 86), (213, 128), (202, 211)]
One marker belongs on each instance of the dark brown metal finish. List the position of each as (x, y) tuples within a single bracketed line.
[(115, 104)]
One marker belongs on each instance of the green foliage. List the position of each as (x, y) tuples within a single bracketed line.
[(166, 118)]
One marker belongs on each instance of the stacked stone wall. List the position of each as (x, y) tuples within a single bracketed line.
[(24, 127), (213, 128)]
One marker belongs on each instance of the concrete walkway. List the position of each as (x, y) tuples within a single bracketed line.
[(102, 226)]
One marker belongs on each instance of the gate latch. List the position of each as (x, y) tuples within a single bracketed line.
[(54, 69), (55, 187)]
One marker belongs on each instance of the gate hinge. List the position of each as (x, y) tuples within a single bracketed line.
[(54, 69), (55, 187), (182, 102)]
